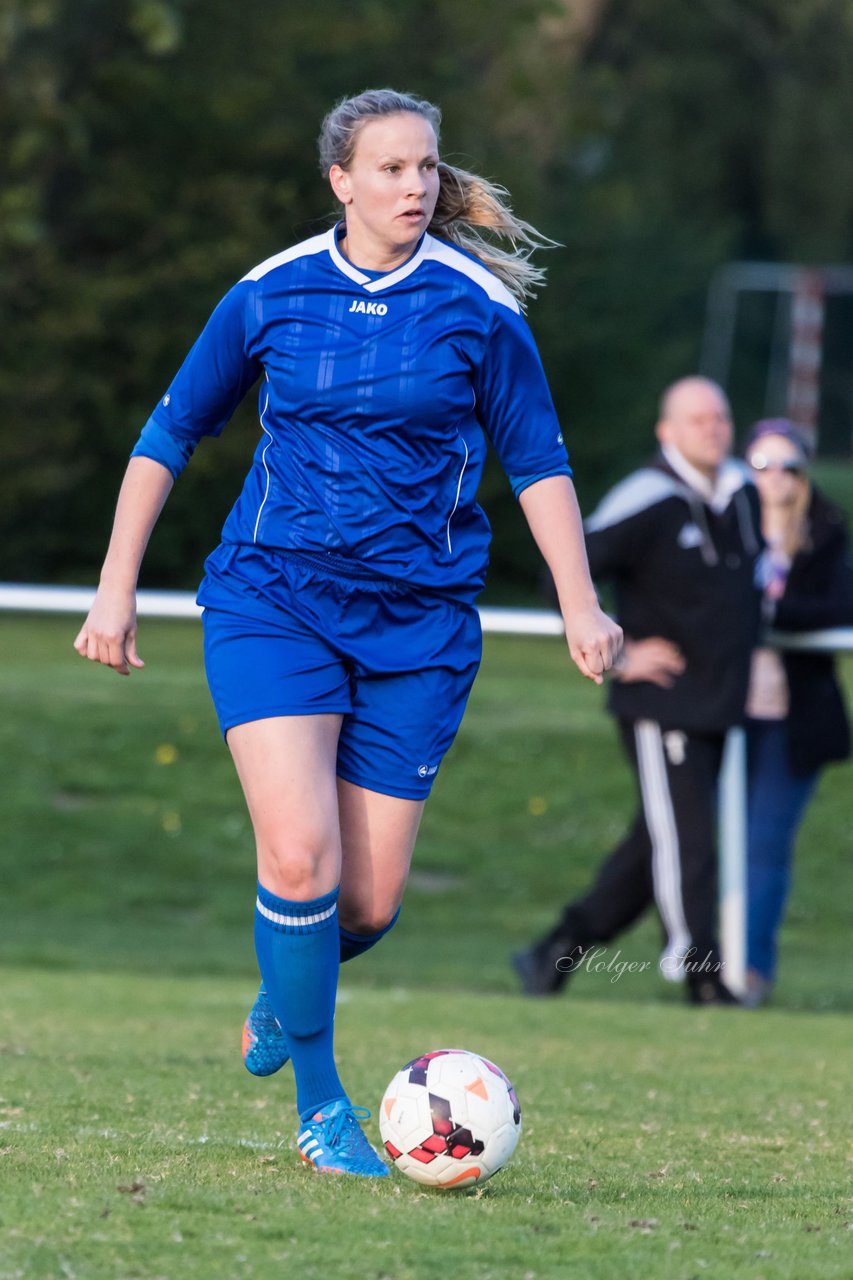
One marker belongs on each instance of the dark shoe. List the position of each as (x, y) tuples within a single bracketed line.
[(710, 990), (545, 968)]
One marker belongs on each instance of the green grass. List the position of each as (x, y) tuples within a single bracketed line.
[(658, 1141)]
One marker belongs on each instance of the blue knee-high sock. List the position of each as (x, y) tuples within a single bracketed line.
[(355, 944), (297, 949)]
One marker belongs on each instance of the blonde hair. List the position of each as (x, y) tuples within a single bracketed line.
[(466, 202)]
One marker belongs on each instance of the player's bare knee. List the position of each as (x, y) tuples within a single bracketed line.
[(297, 872)]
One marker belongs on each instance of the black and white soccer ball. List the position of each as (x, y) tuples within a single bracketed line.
[(450, 1118)]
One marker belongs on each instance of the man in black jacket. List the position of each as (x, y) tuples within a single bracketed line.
[(680, 541)]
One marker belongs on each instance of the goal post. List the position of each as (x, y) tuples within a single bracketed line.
[(796, 339)]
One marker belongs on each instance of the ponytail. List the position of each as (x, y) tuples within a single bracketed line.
[(467, 202)]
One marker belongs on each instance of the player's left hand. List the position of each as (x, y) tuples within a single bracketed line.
[(594, 640)]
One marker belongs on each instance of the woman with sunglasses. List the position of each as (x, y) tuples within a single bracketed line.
[(796, 719)]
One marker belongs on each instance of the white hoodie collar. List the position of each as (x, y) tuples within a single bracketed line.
[(717, 493)]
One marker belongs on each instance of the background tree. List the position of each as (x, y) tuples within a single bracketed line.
[(153, 150)]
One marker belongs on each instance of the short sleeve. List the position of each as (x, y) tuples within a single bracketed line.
[(514, 404), (207, 388)]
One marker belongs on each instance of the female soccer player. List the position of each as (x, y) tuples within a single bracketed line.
[(341, 638)]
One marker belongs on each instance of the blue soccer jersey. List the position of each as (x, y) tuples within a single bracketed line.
[(377, 392)]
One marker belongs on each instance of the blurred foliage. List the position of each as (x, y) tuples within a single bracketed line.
[(152, 150)]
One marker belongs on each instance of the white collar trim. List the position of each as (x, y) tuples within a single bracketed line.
[(717, 494), (386, 281)]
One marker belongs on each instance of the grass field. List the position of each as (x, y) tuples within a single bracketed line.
[(659, 1141)]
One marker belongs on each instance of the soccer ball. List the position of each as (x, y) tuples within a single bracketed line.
[(450, 1119)]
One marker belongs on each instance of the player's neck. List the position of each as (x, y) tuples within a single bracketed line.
[(369, 255)]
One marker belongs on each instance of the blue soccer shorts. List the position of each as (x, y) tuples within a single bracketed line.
[(286, 634)]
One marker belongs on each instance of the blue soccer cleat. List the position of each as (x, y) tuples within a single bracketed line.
[(264, 1046), (332, 1141)]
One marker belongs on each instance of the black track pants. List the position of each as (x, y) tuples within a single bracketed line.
[(670, 855)]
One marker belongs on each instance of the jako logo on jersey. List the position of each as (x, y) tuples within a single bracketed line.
[(427, 770), (369, 308)]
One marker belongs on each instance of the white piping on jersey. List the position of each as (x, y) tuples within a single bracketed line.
[(367, 282), (456, 503), (277, 918), (666, 856), (264, 461), (489, 283), (302, 250), (428, 248)]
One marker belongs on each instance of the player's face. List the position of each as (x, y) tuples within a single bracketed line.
[(698, 424), (389, 190), (779, 470)]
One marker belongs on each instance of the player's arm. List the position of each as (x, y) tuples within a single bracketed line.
[(514, 404), (109, 633), (211, 382), (551, 510)]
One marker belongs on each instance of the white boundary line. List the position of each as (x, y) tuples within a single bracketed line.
[(23, 598), (27, 598), (30, 598)]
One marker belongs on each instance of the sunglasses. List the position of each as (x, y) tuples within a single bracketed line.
[(790, 466)]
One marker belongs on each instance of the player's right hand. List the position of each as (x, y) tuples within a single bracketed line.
[(109, 633), (594, 640)]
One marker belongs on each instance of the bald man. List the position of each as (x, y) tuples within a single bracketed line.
[(680, 541)]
